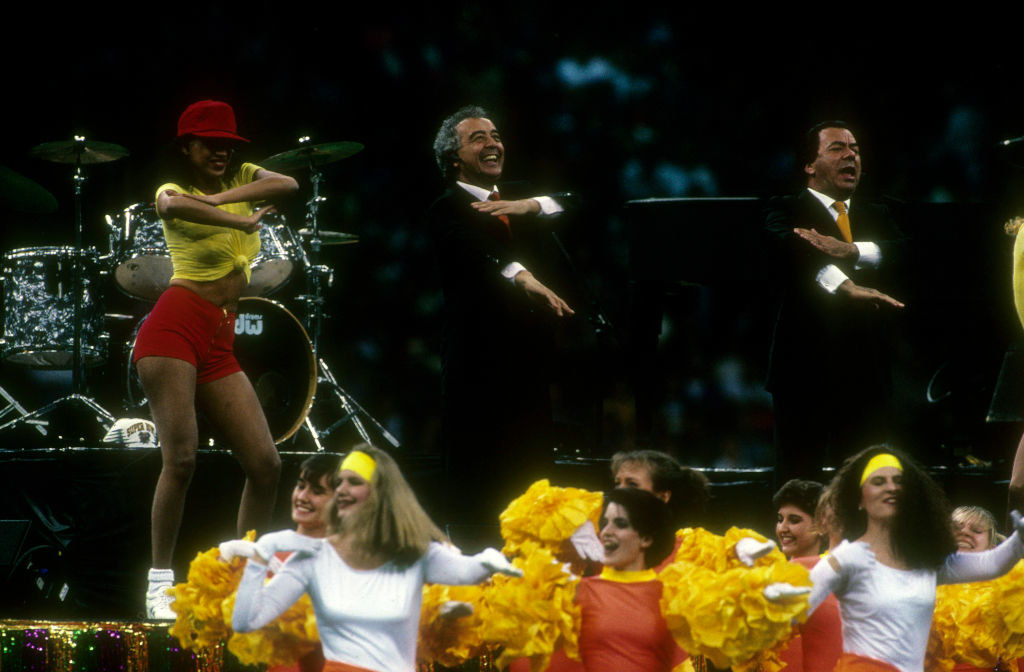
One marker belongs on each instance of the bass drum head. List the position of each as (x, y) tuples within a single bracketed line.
[(275, 353), (274, 350)]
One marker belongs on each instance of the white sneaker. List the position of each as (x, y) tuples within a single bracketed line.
[(158, 602)]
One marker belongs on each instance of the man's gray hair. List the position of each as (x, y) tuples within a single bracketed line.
[(446, 142)]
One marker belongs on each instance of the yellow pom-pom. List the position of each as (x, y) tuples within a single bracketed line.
[(547, 516), (449, 641), (715, 606), (533, 616), (978, 623)]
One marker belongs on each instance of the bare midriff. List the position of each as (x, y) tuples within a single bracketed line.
[(223, 292)]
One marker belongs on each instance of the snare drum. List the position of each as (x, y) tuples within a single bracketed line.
[(274, 352), (39, 308), (144, 265)]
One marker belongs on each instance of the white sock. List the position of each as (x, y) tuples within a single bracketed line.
[(158, 576)]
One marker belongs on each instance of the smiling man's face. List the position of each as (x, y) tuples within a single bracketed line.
[(481, 155)]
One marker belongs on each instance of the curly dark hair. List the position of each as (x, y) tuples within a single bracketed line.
[(921, 534), (690, 488), (650, 517), (802, 494)]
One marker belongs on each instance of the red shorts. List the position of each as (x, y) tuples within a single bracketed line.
[(185, 326)]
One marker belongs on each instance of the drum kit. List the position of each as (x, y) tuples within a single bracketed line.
[(54, 317)]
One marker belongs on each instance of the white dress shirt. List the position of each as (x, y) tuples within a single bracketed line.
[(830, 277)]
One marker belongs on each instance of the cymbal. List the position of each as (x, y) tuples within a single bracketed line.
[(331, 237), (319, 155), (75, 151), (21, 194)]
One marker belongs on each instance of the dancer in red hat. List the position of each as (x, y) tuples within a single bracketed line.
[(184, 351)]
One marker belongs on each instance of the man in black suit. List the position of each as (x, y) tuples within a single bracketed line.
[(829, 368), (498, 320)]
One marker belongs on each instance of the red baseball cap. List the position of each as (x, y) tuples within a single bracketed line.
[(209, 119)]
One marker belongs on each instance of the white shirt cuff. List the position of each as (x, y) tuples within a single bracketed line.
[(830, 277), (870, 255), (512, 270), (548, 205)]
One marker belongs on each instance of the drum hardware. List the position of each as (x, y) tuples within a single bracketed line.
[(14, 407), (319, 276), (78, 152), (311, 156), (351, 408), (21, 194), (331, 237)]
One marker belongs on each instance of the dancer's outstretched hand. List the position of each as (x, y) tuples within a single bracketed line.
[(237, 548), (586, 543), (455, 609), (492, 559), (287, 541), (749, 549), (1018, 522), (780, 592)]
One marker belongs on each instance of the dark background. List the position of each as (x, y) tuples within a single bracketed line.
[(611, 103)]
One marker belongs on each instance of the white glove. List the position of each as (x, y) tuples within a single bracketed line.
[(749, 549), (288, 541), (781, 592), (237, 548), (1018, 522), (586, 543), (853, 556), (454, 609), (492, 559)]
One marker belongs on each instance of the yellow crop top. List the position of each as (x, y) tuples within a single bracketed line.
[(204, 252)]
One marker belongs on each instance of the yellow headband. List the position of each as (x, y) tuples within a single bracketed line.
[(877, 462), (361, 463)]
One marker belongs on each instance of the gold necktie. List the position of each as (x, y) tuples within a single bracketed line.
[(843, 221)]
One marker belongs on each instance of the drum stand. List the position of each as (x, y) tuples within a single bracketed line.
[(318, 277), (76, 398)]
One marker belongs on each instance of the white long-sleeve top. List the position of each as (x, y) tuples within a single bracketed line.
[(887, 612), (368, 618)]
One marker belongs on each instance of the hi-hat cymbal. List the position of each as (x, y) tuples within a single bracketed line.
[(331, 237), (318, 155), (78, 151), (21, 194)]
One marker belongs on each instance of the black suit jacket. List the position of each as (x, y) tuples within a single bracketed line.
[(495, 344), (823, 343)]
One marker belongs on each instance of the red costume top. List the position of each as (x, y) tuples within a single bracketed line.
[(819, 643), (622, 628)]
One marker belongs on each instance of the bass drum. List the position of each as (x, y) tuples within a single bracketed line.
[(274, 351)]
